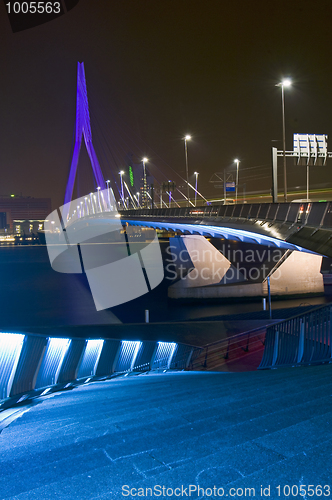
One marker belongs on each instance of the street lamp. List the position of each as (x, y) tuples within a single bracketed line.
[(187, 138), (196, 175), (122, 194), (237, 177), (92, 205), (108, 194), (284, 83), (98, 189), (144, 183)]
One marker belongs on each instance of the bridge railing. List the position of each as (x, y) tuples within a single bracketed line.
[(31, 365), (227, 350), (301, 340), (315, 214)]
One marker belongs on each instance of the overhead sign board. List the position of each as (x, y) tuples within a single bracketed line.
[(229, 187), (310, 149)]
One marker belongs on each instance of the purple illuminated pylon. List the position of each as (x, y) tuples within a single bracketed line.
[(83, 127)]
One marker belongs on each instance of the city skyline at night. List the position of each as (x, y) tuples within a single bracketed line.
[(155, 72)]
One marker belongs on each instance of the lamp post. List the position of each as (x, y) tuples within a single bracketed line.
[(98, 189), (144, 183), (196, 175), (186, 139), (92, 205), (108, 194), (284, 83), (122, 193), (237, 177)]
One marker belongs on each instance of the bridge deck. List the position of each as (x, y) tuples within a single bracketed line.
[(307, 225)]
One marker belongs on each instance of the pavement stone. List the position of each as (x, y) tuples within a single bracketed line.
[(235, 430)]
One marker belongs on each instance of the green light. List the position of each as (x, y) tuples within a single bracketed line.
[(131, 176), (12, 195)]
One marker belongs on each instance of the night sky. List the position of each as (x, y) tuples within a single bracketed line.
[(157, 70)]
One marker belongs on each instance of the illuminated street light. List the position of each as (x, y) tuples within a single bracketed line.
[(186, 139), (284, 84), (237, 177), (108, 193), (145, 160), (122, 193), (92, 205), (196, 174), (98, 189)]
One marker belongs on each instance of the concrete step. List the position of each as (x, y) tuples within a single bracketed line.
[(171, 429)]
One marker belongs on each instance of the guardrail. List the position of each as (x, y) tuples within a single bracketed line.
[(229, 349), (301, 340), (315, 214), (31, 364)]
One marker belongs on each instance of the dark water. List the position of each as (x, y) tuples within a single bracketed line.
[(32, 294)]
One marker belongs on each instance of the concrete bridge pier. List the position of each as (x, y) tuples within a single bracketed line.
[(202, 271)]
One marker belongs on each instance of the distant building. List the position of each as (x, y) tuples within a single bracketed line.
[(23, 213), (134, 178)]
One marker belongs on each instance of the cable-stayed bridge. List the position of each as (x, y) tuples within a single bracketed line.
[(287, 225), (90, 429), (293, 228)]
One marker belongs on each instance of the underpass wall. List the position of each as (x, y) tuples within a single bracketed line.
[(214, 276)]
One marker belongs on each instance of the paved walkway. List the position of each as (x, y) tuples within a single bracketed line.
[(228, 430)]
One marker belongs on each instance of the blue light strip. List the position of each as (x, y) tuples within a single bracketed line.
[(10, 350), (51, 362), (61, 345), (218, 231)]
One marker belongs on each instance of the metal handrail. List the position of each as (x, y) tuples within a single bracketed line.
[(229, 346), (313, 214), (303, 339)]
